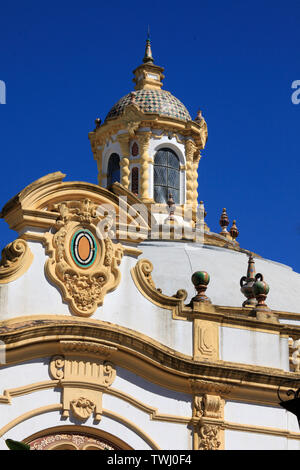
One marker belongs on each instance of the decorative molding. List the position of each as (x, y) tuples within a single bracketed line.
[(30, 414), (209, 438), (82, 381), (37, 209), (74, 369), (171, 135), (86, 347), (208, 412), (206, 340), (56, 407), (199, 386), (81, 437), (153, 412), (209, 406), (16, 260), (132, 117), (83, 288), (141, 275), (29, 338), (82, 408)]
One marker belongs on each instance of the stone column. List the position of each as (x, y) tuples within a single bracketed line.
[(144, 140), (124, 140)]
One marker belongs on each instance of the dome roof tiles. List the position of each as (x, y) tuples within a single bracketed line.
[(152, 101)]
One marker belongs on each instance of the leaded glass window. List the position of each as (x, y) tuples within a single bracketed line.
[(113, 169), (166, 176)]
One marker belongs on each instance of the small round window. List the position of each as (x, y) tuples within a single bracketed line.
[(83, 248)]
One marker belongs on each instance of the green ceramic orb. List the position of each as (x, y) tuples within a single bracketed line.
[(261, 287), (200, 277)]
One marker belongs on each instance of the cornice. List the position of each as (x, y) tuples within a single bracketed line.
[(29, 338), (136, 118)]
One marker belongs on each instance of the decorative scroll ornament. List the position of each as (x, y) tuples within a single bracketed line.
[(141, 275), (82, 381), (16, 259), (211, 406), (83, 261)]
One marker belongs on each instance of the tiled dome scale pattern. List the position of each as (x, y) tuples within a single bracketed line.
[(153, 101)]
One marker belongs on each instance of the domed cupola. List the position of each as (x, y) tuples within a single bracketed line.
[(149, 143), (152, 101)]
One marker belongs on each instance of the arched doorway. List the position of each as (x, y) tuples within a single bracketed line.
[(75, 438)]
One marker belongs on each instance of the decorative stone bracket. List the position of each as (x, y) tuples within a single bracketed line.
[(208, 422), (82, 381)]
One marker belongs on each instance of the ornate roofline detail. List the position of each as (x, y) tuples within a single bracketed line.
[(141, 275), (153, 120), (42, 204), (16, 260)]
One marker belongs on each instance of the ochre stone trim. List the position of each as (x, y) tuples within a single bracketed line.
[(153, 412), (57, 407), (134, 119), (206, 340), (27, 339), (208, 417), (133, 427), (40, 206), (82, 381), (9, 394), (28, 415), (16, 260), (141, 275), (261, 430)]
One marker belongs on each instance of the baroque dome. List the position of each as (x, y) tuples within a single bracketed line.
[(161, 102)]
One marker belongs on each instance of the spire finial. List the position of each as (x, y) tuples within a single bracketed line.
[(224, 222), (148, 53)]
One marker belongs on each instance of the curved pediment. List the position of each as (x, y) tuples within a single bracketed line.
[(47, 200)]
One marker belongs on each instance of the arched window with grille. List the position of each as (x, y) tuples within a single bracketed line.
[(113, 169), (166, 176)]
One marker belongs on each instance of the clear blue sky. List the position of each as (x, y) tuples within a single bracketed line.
[(66, 63)]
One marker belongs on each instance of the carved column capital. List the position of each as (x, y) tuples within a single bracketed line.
[(190, 150), (124, 140)]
